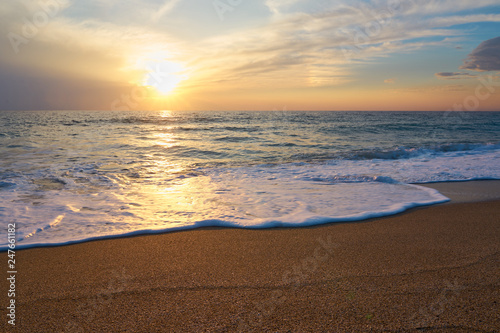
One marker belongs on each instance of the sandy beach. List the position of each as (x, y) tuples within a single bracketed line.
[(432, 269)]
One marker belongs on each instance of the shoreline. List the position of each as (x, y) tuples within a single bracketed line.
[(457, 191), (468, 190), (435, 267)]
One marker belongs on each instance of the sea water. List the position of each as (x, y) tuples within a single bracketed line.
[(71, 176)]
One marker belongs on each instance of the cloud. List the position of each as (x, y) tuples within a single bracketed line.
[(329, 37), (444, 6), (390, 81), (167, 7), (320, 46), (276, 6), (31, 89), (486, 57), (450, 88), (454, 75)]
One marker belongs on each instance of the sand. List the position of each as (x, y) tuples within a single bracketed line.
[(471, 191), (433, 269)]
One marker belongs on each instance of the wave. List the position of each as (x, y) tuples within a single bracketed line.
[(6, 184), (409, 152), (235, 138), (52, 224), (304, 217), (346, 179)]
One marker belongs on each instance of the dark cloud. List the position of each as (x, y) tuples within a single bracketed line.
[(453, 75), (28, 89), (486, 57)]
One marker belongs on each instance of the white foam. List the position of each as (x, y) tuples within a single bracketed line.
[(46, 227)]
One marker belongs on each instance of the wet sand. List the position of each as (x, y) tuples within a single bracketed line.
[(471, 191)]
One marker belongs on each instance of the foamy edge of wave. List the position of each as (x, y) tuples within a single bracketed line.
[(313, 221)]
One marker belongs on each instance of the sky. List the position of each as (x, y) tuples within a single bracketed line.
[(250, 55)]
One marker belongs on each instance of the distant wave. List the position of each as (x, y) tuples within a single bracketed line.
[(404, 152)]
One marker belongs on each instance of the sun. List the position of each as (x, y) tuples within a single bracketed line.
[(161, 74), (164, 76)]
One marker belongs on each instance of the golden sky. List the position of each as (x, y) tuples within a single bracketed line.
[(250, 55)]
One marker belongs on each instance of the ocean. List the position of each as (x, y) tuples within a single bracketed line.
[(73, 176)]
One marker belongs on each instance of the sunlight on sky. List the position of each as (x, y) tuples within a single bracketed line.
[(251, 55), (160, 73)]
